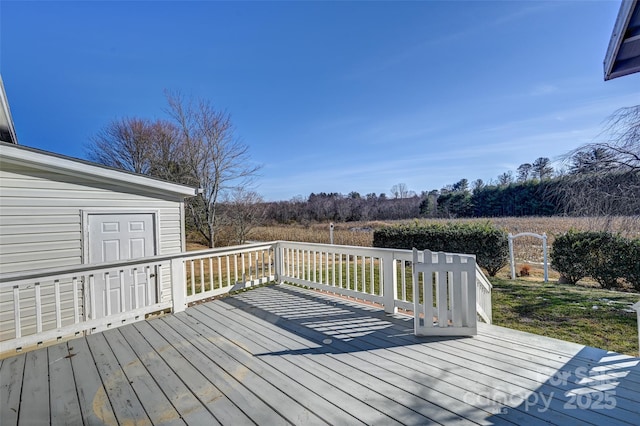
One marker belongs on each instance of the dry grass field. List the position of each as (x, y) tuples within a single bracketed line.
[(526, 248)]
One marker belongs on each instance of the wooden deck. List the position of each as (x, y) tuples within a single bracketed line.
[(283, 355)]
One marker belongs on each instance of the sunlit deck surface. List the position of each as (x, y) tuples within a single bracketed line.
[(284, 355)]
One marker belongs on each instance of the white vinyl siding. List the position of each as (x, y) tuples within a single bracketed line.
[(41, 216), (41, 227)]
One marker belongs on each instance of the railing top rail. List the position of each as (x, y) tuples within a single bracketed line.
[(482, 278), (225, 250), (529, 234), (81, 269), (399, 254)]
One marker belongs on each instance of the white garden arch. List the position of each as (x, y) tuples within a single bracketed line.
[(543, 237)]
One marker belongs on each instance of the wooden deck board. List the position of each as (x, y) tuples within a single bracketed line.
[(353, 380), (65, 407), (151, 396), (199, 382), (184, 401), (34, 405), (269, 386), (94, 403), (126, 406), (11, 372), (381, 362), (331, 388), (253, 407), (502, 380), (283, 355)]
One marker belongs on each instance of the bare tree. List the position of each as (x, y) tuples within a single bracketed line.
[(213, 156), (588, 160), (126, 144), (604, 177), (241, 211), (400, 190), (619, 145)]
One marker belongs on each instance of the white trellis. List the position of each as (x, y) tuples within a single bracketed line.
[(543, 237)]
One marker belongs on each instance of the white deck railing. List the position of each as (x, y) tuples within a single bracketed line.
[(376, 275), (48, 305)]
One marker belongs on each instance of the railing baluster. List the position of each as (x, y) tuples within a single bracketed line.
[(372, 277), (235, 268), (56, 290), (364, 269), (158, 284), (211, 280), (192, 269), (333, 269), (38, 308), (202, 283), (403, 276), (135, 288), (256, 267), (219, 271), (92, 296), (16, 312), (108, 292), (123, 294), (315, 264), (348, 263), (228, 272), (76, 305), (243, 271), (355, 273)]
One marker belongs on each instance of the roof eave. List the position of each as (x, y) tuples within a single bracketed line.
[(6, 121), (612, 71), (72, 166)]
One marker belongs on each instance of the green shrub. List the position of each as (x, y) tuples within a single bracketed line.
[(606, 263), (489, 244), (630, 258), (602, 256), (568, 256)]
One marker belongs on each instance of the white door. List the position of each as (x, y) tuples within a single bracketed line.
[(114, 237)]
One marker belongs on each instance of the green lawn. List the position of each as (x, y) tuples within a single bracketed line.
[(587, 316)]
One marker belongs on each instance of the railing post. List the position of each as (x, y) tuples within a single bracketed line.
[(277, 255), (511, 257), (389, 282), (178, 285), (544, 257), (637, 308)]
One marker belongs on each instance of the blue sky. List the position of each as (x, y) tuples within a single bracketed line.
[(329, 96)]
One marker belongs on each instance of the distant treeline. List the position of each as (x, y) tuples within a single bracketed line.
[(614, 193)]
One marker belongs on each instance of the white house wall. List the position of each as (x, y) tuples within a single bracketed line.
[(41, 226)]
